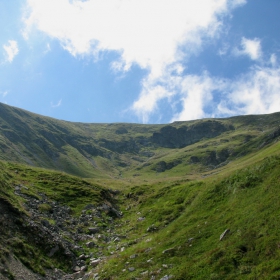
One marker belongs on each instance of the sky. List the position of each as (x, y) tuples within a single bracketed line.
[(140, 61)]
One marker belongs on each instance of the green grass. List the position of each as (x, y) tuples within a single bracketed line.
[(18, 236), (190, 217)]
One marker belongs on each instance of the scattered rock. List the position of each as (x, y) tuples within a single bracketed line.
[(152, 228)]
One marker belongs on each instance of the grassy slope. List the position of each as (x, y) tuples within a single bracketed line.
[(19, 229), (123, 150), (186, 207), (189, 218)]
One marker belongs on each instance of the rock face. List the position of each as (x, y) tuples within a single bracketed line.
[(163, 165), (172, 137)]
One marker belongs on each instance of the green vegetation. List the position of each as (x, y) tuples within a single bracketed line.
[(199, 200), (187, 218)]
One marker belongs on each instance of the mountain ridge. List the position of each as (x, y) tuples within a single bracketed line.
[(86, 149)]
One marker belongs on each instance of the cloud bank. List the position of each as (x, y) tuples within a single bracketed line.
[(160, 36)]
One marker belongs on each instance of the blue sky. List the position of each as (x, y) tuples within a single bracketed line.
[(148, 61)]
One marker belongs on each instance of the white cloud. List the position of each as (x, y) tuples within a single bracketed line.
[(251, 48), (56, 104), (196, 96), (157, 35), (146, 32), (257, 92), (11, 50)]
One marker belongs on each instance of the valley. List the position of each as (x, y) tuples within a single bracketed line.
[(186, 200)]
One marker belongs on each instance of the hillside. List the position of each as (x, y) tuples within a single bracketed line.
[(187, 200), (114, 150)]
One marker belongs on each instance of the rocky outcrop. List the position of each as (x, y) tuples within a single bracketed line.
[(212, 158), (162, 166), (172, 137)]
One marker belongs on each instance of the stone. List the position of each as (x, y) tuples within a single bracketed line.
[(78, 275), (86, 276), (152, 228), (117, 239), (224, 234), (131, 269), (82, 257), (95, 262), (90, 244), (169, 251), (144, 273), (166, 277), (94, 230), (76, 268), (84, 268)]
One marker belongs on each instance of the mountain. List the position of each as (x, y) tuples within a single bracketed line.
[(108, 150), (187, 200)]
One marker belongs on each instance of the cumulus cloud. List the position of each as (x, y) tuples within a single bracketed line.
[(146, 32), (257, 92), (157, 35), (197, 94), (11, 50), (251, 48)]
